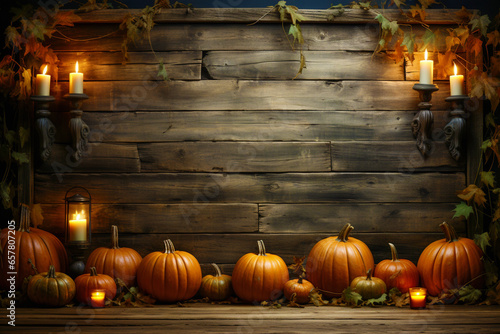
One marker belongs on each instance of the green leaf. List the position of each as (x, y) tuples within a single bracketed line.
[(469, 294), (12, 37), (10, 136), (409, 42), (489, 119), (486, 144), (488, 179), (482, 240), (5, 194), (162, 72), (373, 301), (481, 23), (351, 297), (428, 39), (296, 32), (491, 271), (20, 157), (462, 209), (24, 135)]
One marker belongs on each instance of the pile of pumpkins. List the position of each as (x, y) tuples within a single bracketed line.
[(333, 264)]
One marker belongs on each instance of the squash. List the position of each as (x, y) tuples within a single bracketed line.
[(87, 282), (450, 263), (51, 288), (397, 273), (301, 287), (29, 244), (169, 276), (116, 262), (259, 277), (216, 287), (334, 262), (369, 287)]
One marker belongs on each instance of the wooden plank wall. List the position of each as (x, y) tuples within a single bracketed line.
[(231, 150)]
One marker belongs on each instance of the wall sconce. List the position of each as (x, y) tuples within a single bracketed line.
[(44, 127), (79, 129), (424, 119), (78, 213), (455, 129)]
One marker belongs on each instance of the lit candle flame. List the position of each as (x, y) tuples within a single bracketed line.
[(455, 68), (45, 69), (76, 67), (425, 54)]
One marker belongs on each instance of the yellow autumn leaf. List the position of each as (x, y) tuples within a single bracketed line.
[(473, 193)]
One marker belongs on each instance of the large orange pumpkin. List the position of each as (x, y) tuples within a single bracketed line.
[(115, 261), (169, 276), (450, 263), (18, 247), (397, 273), (87, 282), (259, 277), (334, 262)]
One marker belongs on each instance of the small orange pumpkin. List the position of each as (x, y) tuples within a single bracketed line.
[(397, 273), (216, 287), (301, 287), (87, 282)]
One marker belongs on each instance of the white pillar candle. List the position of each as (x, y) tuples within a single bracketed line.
[(76, 82), (78, 228), (426, 71), (43, 83), (456, 83)]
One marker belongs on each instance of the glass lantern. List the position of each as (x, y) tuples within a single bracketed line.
[(78, 211)]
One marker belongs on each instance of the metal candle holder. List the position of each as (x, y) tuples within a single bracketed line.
[(455, 129), (44, 127), (424, 119), (79, 129)]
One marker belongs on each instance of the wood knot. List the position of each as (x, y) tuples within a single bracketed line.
[(272, 187)]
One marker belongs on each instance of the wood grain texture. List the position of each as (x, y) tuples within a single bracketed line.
[(235, 157), (196, 188), (365, 217), (161, 218), (378, 156), (281, 65), (111, 66), (253, 95), (252, 125), (99, 157)]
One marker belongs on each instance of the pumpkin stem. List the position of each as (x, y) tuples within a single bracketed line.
[(93, 271), (344, 232), (369, 274), (24, 225), (262, 248), (169, 246), (217, 270), (300, 280), (52, 272), (114, 237), (394, 253), (449, 232)]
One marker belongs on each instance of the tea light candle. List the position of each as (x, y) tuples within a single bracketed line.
[(76, 82), (456, 83), (426, 71), (43, 83), (417, 298), (97, 298), (78, 227)]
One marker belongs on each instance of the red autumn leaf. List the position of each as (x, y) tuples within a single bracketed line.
[(66, 18)]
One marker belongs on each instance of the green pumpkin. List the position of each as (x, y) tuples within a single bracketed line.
[(369, 287), (51, 288)]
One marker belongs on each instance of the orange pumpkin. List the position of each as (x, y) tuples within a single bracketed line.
[(115, 261), (301, 287), (450, 263), (259, 277), (171, 276), (18, 247), (87, 282), (218, 287), (397, 273), (334, 262)]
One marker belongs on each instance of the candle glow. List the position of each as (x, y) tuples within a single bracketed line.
[(426, 70), (418, 298), (456, 83), (43, 83), (76, 81), (78, 227), (97, 298)]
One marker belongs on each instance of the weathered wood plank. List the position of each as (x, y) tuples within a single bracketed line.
[(251, 126), (99, 157), (250, 15), (235, 157), (375, 156), (196, 188), (161, 218), (365, 217), (254, 95), (180, 65), (321, 65), (228, 248)]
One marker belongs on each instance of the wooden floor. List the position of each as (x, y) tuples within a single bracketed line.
[(206, 318)]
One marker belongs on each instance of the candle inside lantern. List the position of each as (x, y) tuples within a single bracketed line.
[(76, 82), (426, 71), (417, 298), (78, 227), (43, 83), (97, 298), (456, 83)]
